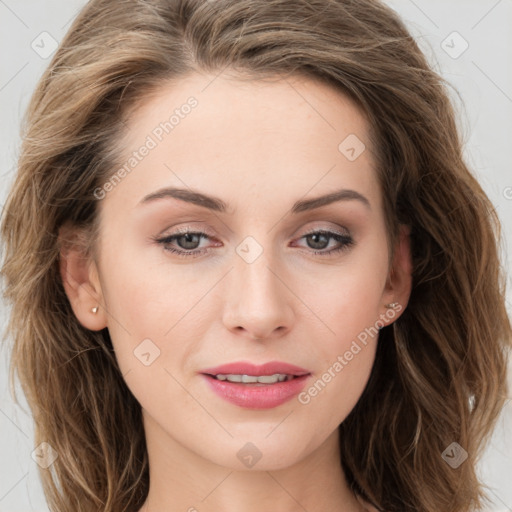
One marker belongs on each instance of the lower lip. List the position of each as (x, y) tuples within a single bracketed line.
[(257, 396)]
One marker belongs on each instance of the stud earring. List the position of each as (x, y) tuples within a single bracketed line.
[(392, 305), (94, 309)]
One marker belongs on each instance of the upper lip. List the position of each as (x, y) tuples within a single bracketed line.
[(246, 368)]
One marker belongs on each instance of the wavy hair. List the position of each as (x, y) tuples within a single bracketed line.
[(440, 370)]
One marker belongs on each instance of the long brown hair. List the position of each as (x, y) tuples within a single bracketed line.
[(440, 371)]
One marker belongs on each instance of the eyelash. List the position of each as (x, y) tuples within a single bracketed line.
[(345, 240)]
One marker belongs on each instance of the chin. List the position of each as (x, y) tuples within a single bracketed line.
[(257, 453)]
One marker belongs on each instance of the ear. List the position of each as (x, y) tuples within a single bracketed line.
[(81, 279), (399, 281)]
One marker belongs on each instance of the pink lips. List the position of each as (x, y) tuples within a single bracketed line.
[(256, 395)]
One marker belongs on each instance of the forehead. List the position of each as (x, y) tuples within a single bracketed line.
[(275, 103), (288, 135)]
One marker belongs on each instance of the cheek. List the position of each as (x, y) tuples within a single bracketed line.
[(345, 351), (348, 300), (349, 307), (138, 291), (150, 305)]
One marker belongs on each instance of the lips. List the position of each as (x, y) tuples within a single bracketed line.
[(256, 386)]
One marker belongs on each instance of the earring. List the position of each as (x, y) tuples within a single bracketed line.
[(392, 305), (94, 309)]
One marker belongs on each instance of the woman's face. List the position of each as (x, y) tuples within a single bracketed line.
[(253, 284)]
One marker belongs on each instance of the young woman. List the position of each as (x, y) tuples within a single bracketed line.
[(249, 268)]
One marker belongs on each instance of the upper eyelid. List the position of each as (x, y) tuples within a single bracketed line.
[(184, 230), (339, 229)]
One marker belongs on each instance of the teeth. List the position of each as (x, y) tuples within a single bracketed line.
[(249, 378), (253, 379)]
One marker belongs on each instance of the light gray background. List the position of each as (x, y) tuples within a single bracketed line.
[(482, 74)]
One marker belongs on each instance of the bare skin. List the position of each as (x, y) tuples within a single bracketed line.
[(260, 147)]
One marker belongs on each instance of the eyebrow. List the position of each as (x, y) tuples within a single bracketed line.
[(218, 205)]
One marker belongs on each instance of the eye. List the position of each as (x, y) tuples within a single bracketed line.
[(186, 244), (319, 240)]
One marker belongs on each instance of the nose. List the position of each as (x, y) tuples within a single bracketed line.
[(258, 302)]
